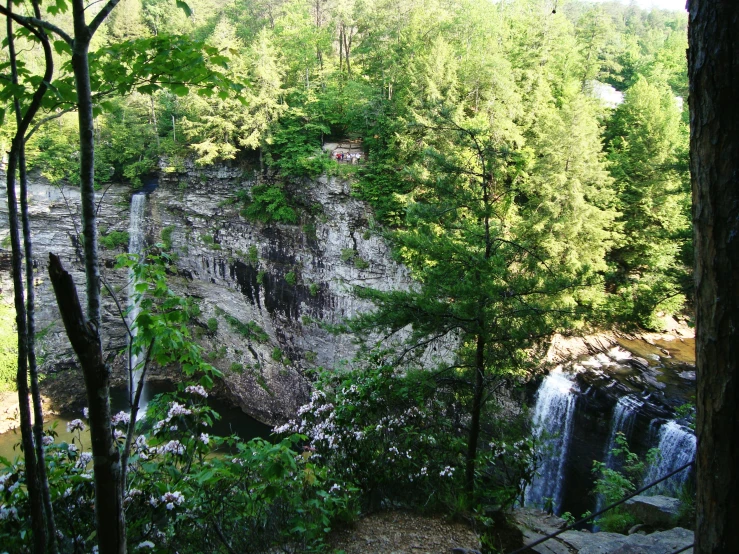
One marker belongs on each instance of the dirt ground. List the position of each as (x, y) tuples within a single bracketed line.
[(404, 533)]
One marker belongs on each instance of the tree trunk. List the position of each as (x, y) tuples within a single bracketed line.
[(713, 60), (24, 407), (474, 433), (33, 454), (84, 333), (85, 339)]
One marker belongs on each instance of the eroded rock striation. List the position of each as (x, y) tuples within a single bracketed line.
[(262, 288)]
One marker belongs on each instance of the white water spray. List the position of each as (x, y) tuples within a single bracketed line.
[(552, 423), (677, 448), (136, 246)]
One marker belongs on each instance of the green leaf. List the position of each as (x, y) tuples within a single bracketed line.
[(62, 47), (181, 90)]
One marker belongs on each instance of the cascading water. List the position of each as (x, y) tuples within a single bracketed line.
[(622, 421), (677, 448), (136, 247), (552, 424)]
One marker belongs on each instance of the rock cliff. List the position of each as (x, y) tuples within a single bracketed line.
[(261, 287)]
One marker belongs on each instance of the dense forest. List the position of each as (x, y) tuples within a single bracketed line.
[(604, 188), (526, 159)]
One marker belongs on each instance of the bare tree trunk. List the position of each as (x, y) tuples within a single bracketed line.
[(713, 60), (32, 479), (36, 481), (85, 340)]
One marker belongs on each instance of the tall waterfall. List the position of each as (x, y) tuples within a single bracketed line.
[(552, 423), (136, 247), (677, 448)]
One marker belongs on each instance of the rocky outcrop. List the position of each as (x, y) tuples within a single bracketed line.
[(536, 524), (266, 291), (654, 511), (54, 213)]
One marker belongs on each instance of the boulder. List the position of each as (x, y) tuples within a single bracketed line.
[(654, 511)]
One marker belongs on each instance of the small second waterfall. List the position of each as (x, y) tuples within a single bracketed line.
[(677, 448), (622, 421), (136, 243), (552, 424)]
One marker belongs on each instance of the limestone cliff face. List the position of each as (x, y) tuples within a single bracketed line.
[(247, 276)]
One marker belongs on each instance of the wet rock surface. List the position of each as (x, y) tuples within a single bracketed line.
[(654, 511), (536, 524), (262, 288)]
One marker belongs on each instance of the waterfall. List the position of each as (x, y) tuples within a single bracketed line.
[(552, 424), (677, 448), (622, 421), (136, 247)]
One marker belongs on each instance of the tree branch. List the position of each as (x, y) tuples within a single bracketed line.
[(33, 23), (100, 17)]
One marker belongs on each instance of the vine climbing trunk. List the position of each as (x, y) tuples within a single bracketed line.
[(713, 67)]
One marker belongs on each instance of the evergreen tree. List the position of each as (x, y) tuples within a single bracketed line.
[(646, 140)]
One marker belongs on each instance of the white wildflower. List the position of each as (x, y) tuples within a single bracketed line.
[(47, 440), (75, 425), (173, 447), (197, 389), (172, 499), (86, 412), (121, 417), (145, 544), (85, 458), (177, 409), (204, 438)]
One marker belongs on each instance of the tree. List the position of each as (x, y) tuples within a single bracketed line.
[(645, 142), (42, 514), (481, 282), (713, 61), (131, 68)]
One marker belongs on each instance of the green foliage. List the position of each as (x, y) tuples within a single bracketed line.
[(250, 331), (291, 278), (8, 347), (167, 236), (277, 354), (348, 254), (253, 255), (615, 484), (394, 436), (648, 152), (361, 263), (266, 495), (313, 289), (268, 204), (113, 239), (212, 325)]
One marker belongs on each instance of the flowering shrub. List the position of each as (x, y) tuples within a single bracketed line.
[(187, 490), (391, 435), (402, 438)]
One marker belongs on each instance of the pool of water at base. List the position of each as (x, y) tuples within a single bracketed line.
[(233, 421)]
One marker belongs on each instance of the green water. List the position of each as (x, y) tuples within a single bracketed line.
[(233, 421)]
